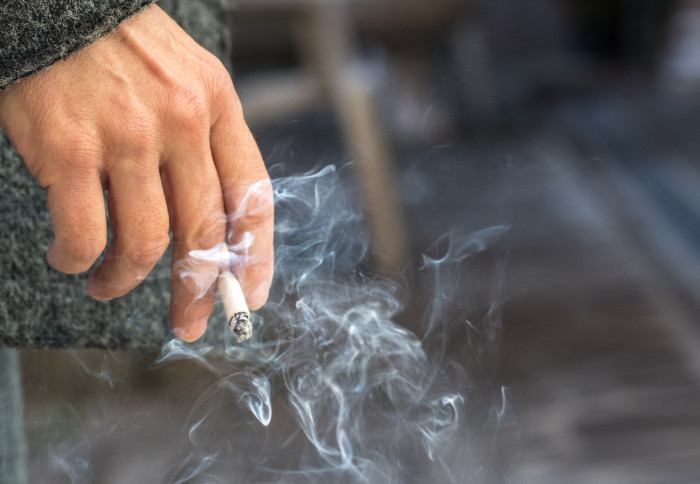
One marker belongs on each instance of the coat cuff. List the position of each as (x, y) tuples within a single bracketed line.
[(36, 34)]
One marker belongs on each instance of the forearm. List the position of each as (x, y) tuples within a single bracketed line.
[(35, 34)]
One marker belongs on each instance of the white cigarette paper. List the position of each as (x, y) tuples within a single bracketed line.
[(235, 307)]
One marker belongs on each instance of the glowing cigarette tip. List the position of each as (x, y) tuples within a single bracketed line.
[(235, 306)]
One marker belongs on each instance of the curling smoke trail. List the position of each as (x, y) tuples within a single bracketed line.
[(330, 388), (356, 397)]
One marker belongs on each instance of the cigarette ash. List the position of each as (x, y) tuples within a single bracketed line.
[(241, 326), (330, 387)]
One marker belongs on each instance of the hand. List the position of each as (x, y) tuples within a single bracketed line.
[(152, 117)]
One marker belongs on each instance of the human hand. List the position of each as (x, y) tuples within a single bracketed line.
[(152, 117)]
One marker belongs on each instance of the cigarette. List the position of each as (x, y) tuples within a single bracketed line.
[(235, 307)]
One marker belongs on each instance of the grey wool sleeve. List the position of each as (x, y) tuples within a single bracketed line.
[(34, 34), (42, 308)]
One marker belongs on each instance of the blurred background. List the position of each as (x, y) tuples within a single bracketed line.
[(574, 123)]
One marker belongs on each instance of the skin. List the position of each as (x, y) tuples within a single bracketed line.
[(153, 118)]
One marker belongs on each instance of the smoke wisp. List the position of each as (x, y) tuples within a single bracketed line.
[(330, 387)]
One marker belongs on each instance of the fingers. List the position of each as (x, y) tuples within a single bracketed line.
[(248, 200), (139, 218), (198, 224), (76, 206)]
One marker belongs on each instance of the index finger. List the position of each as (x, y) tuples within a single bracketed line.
[(248, 201)]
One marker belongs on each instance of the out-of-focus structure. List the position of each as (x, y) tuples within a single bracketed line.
[(330, 69), (574, 125)]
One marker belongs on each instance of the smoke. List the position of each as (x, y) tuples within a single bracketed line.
[(331, 388)]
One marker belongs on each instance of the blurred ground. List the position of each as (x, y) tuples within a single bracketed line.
[(600, 352), (600, 346)]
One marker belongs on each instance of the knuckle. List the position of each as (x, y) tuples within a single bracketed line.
[(190, 109), (208, 235), (140, 127), (214, 62), (222, 90), (148, 252), (81, 252), (138, 135), (220, 78), (81, 148), (214, 71)]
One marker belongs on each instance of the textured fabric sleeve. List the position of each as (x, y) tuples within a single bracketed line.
[(42, 308), (34, 34)]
